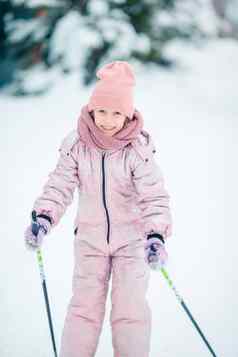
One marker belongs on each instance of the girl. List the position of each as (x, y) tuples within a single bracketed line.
[(122, 222)]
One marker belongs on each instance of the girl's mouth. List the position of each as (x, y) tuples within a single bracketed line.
[(109, 129)]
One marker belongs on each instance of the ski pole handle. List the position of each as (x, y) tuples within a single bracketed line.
[(35, 227)]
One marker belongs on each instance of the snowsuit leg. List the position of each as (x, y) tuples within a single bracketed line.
[(130, 316), (86, 309)]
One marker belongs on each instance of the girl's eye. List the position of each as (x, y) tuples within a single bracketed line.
[(118, 113)]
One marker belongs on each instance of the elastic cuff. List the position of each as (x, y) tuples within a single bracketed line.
[(156, 235), (45, 217)]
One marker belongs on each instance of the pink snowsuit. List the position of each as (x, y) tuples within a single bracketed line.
[(121, 199)]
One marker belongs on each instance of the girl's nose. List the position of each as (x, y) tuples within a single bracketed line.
[(109, 118)]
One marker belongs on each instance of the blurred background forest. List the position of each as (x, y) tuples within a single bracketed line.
[(39, 38)]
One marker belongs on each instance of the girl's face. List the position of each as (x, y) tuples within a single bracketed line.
[(109, 121)]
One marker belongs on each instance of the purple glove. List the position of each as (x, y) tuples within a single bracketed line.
[(155, 253), (36, 231)]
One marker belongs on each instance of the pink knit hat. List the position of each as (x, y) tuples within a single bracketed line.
[(114, 90)]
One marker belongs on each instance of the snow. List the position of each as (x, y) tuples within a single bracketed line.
[(98, 7), (192, 113)]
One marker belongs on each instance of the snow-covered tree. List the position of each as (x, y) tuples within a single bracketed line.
[(43, 37)]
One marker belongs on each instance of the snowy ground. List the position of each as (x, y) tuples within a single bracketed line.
[(192, 113)]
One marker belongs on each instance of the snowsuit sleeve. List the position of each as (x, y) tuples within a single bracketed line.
[(59, 189), (153, 198)]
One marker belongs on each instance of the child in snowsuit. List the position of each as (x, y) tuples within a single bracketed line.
[(122, 222)]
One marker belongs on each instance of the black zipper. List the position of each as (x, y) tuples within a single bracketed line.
[(104, 196)]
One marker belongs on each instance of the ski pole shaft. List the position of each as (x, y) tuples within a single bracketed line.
[(42, 274), (180, 299), (43, 281)]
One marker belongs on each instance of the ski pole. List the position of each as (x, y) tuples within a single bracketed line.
[(179, 298), (43, 281)]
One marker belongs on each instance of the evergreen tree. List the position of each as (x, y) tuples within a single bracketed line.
[(82, 35)]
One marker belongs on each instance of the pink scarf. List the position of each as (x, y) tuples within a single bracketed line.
[(94, 137)]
